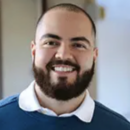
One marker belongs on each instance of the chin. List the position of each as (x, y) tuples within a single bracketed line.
[(67, 80)]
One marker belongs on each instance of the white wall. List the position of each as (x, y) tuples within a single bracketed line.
[(18, 27), (113, 76), (54, 2)]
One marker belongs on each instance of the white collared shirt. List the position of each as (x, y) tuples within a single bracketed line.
[(29, 102)]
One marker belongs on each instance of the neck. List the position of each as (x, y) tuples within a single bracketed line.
[(59, 107)]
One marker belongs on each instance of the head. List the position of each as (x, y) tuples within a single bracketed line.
[(64, 52)]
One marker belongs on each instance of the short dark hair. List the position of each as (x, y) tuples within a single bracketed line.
[(70, 7)]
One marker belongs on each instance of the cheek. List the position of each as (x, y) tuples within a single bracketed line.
[(85, 62), (42, 58)]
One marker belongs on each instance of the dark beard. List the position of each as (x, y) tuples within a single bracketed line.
[(63, 90)]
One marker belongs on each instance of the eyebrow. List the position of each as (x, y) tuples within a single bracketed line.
[(59, 38), (51, 36), (80, 39)]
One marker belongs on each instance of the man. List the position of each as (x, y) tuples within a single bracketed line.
[(64, 56)]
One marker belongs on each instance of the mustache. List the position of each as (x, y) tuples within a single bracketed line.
[(61, 62)]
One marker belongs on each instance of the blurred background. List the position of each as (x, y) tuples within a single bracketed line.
[(111, 83)]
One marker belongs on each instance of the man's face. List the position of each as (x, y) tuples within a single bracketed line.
[(63, 53)]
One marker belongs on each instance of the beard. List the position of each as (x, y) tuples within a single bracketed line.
[(63, 90)]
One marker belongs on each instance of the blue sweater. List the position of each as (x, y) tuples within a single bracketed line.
[(14, 118)]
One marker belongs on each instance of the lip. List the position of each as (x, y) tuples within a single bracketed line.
[(64, 74), (67, 66)]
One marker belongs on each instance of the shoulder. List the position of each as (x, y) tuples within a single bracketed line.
[(8, 102), (7, 108), (111, 117)]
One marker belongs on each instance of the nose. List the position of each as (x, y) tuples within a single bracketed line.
[(64, 53)]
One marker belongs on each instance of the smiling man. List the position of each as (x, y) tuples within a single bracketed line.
[(64, 56)]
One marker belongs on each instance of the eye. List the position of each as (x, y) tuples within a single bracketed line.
[(79, 46), (50, 44)]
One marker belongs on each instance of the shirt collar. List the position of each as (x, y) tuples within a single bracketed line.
[(29, 102)]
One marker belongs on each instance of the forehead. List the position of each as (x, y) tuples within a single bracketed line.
[(65, 24)]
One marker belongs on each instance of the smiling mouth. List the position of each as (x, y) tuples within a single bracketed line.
[(63, 68)]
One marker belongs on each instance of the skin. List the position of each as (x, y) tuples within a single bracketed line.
[(71, 39)]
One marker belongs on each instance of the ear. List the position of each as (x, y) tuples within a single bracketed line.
[(33, 49), (95, 54)]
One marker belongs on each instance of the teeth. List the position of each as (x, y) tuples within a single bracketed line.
[(63, 69)]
